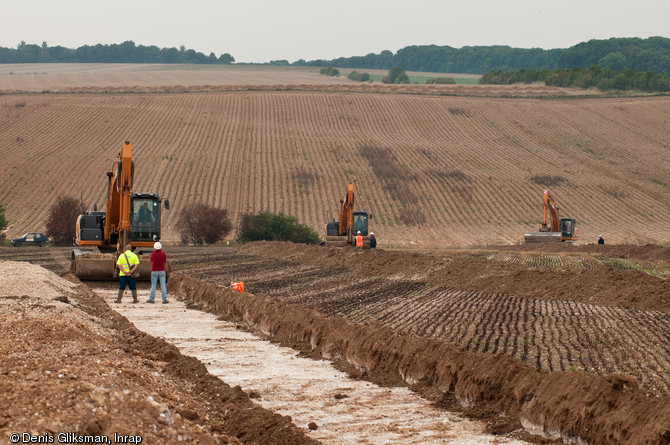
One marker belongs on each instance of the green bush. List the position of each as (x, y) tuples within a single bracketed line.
[(359, 77), (396, 75), (441, 80), (330, 71), (267, 226)]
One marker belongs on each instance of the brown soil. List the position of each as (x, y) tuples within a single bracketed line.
[(559, 357), (71, 364), (385, 332)]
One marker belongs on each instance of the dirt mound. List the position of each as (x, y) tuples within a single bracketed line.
[(71, 364), (577, 405), (646, 252)]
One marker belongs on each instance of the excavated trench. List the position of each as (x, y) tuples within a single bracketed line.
[(329, 405)]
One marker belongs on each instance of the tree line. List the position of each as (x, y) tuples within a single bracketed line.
[(605, 79), (619, 54), (126, 52)]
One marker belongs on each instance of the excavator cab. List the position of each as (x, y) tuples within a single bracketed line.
[(361, 222), (145, 217), (567, 226)]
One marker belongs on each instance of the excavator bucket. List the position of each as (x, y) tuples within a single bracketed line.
[(93, 266), (336, 241), (341, 241), (542, 237)]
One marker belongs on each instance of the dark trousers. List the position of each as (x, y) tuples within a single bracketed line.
[(127, 280)]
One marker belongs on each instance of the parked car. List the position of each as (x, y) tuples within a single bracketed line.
[(31, 239)]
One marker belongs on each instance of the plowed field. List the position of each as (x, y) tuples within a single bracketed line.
[(470, 330), (436, 168)]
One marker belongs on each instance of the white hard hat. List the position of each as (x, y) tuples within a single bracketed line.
[(358, 232), (372, 233), (600, 236), (157, 246)]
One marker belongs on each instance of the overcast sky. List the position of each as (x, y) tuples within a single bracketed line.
[(265, 30)]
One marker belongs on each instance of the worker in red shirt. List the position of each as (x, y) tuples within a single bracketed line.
[(158, 259)]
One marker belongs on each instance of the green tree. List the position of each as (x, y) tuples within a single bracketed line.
[(396, 75), (330, 71), (359, 77), (62, 220), (614, 61), (200, 223), (268, 226)]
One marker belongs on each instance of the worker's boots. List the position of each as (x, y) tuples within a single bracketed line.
[(118, 299), (135, 300)]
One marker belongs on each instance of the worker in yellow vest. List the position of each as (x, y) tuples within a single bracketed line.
[(359, 240), (127, 264)]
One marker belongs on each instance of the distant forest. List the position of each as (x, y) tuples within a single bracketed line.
[(616, 54), (126, 52)]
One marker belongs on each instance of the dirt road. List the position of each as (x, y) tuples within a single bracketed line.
[(340, 409)]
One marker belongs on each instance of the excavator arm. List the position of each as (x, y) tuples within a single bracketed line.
[(550, 209), (347, 214), (118, 201)]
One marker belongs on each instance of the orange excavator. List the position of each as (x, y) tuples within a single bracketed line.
[(563, 229), (129, 218), (343, 232)]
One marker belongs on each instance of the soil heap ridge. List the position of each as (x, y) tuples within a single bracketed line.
[(72, 365)]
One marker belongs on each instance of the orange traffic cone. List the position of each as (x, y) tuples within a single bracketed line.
[(238, 286)]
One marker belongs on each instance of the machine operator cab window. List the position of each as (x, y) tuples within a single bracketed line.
[(145, 215), (361, 223), (567, 227)]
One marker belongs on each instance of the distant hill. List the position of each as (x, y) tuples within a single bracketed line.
[(652, 54)]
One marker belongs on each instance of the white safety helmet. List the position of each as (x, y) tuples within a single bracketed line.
[(372, 233), (157, 246), (358, 233)]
